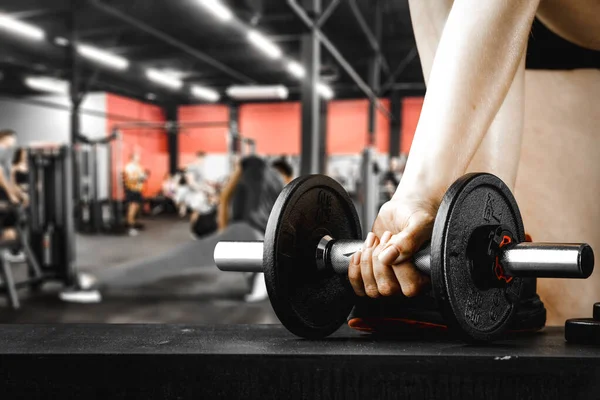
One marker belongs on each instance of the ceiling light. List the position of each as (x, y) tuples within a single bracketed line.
[(264, 44), (46, 84), (164, 79), (102, 57), (204, 93), (296, 69), (325, 91), (61, 41), (21, 28), (218, 9), (278, 92)]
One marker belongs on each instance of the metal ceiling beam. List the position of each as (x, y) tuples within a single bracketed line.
[(328, 12), (399, 69), (200, 56), (371, 37), (338, 57)]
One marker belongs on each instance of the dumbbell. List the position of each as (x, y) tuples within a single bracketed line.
[(584, 330), (477, 257)]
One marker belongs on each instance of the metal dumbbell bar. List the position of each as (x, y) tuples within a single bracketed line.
[(541, 260)]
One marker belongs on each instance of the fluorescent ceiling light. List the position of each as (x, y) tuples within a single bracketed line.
[(61, 41), (163, 79), (325, 91), (264, 44), (21, 28), (46, 84), (218, 9), (296, 69), (102, 57), (204, 93), (278, 92)]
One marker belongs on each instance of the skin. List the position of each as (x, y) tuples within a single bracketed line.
[(5, 182), (21, 166), (12, 191), (472, 120)]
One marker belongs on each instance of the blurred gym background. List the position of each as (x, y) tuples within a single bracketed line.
[(189, 88)]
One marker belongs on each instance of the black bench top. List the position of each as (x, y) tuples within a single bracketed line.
[(265, 361)]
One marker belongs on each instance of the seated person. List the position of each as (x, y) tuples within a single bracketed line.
[(253, 189), (199, 189), (181, 191), (135, 177), (19, 173), (10, 194)]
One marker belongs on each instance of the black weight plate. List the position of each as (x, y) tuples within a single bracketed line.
[(308, 303), (473, 201), (582, 331)]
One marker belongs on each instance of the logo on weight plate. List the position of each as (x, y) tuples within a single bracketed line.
[(473, 307), (496, 303), (488, 211), (323, 207)]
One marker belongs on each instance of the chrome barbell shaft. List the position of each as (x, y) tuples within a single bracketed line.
[(542, 260)]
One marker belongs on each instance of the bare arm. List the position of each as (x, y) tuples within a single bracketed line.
[(480, 49), (226, 196), (5, 183)]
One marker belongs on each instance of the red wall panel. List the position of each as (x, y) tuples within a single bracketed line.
[(411, 111), (276, 127), (209, 140), (151, 143), (347, 127)]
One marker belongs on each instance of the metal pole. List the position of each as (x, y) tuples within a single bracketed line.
[(76, 99), (323, 138), (395, 125), (173, 137), (370, 178), (311, 57), (338, 56)]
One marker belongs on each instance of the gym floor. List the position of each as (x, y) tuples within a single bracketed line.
[(201, 295)]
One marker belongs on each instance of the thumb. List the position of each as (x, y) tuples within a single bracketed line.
[(406, 243)]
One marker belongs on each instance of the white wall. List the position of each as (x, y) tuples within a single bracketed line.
[(36, 123)]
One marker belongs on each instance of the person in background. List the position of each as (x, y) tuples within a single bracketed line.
[(199, 189), (135, 177), (251, 192), (10, 194), (19, 173), (181, 191)]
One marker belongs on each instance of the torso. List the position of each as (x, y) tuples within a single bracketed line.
[(257, 192), (133, 177)]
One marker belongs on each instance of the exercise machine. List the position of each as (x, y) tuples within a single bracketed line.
[(46, 231)]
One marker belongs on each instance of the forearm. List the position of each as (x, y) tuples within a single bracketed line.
[(475, 63)]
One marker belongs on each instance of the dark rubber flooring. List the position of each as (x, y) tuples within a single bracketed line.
[(160, 276)]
